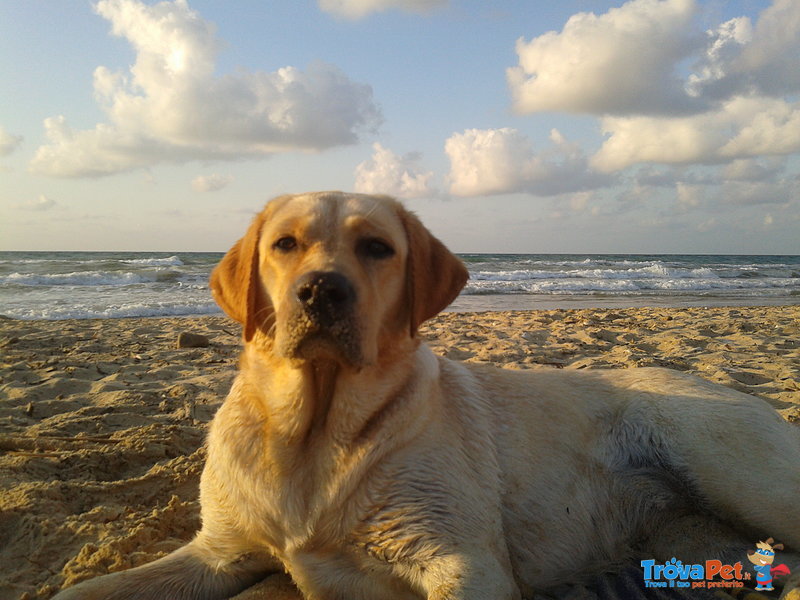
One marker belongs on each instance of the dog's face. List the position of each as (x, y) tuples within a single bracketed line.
[(332, 268), (333, 276)]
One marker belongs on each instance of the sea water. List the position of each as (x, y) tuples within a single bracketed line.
[(66, 285)]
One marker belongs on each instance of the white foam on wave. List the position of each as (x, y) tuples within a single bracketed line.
[(574, 286), (91, 278), (170, 261), (560, 286), (56, 313), (517, 275), (653, 271)]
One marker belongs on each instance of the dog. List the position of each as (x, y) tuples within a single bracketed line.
[(350, 456)]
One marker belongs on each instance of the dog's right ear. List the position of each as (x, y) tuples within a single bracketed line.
[(434, 275), (236, 285)]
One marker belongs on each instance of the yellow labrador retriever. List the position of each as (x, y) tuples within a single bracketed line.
[(352, 457)]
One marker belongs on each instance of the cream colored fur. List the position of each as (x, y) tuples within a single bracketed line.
[(352, 457)]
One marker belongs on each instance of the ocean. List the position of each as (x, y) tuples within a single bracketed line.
[(104, 285)]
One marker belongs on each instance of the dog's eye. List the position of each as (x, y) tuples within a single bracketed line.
[(375, 248), (286, 243)]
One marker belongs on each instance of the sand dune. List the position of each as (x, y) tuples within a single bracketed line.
[(102, 421)]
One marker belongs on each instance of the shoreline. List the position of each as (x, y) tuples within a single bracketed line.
[(485, 303), (102, 421), (513, 302)]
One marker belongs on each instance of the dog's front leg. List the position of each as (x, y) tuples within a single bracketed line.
[(193, 572), (472, 575)]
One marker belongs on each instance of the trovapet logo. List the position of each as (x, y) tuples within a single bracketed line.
[(710, 574), (716, 574)]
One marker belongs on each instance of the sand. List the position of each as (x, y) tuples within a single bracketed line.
[(102, 421)]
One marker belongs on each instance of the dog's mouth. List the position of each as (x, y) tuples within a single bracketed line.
[(321, 323), (307, 339)]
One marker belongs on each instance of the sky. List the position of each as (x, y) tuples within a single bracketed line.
[(517, 126)]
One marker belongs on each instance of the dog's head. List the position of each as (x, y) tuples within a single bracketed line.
[(334, 276)]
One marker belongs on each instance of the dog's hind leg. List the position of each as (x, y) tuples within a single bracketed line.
[(741, 457), (761, 489), (695, 537), (193, 572)]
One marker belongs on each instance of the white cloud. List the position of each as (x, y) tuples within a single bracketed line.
[(739, 102), (499, 161), (41, 203), (171, 106), (765, 126), (750, 169), (689, 196), (771, 59), (633, 140), (724, 44), (487, 161), (356, 9), (746, 59), (707, 225), (740, 128), (579, 201), (650, 176), (388, 173), (8, 142), (210, 183), (720, 188), (628, 61), (748, 193), (621, 62)]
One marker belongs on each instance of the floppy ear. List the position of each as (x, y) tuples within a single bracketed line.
[(235, 282), (434, 275), (777, 546)]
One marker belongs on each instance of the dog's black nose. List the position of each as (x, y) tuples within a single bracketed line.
[(325, 295)]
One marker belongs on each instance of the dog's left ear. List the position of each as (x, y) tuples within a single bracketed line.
[(434, 275), (236, 285)]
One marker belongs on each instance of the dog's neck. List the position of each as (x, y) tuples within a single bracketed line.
[(323, 376), (299, 400), (318, 428)]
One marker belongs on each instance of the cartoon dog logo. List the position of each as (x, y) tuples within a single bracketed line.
[(762, 558)]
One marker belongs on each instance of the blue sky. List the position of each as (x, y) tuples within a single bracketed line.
[(648, 126)]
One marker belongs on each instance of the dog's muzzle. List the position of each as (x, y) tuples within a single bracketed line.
[(326, 297), (323, 324)]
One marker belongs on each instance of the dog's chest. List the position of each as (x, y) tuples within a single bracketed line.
[(315, 541), (294, 503), (318, 532)]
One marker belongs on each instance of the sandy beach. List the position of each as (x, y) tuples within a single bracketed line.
[(102, 421)]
